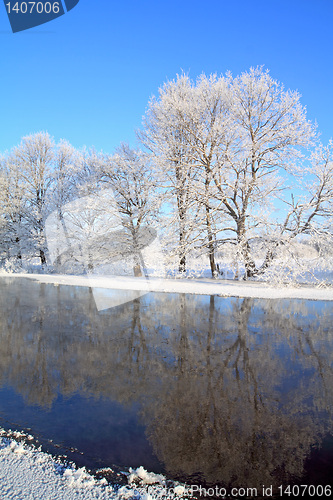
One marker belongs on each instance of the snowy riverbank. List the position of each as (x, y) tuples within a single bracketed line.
[(204, 286), (30, 474)]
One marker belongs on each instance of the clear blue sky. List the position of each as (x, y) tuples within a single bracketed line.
[(87, 76)]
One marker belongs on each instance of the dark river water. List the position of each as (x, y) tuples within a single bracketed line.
[(227, 391)]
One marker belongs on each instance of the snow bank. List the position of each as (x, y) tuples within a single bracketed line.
[(142, 476), (207, 286), (28, 473)]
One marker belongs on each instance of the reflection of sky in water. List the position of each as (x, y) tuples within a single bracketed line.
[(192, 385), (104, 430)]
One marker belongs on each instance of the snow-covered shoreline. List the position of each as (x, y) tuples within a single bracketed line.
[(203, 286), (30, 474)]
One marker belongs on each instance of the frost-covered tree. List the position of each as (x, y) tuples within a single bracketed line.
[(34, 158), (268, 130), (317, 185), (164, 134), (310, 212), (87, 171), (204, 118), (12, 209), (130, 175), (207, 133), (65, 166), (67, 163), (84, 235), (220, 144)]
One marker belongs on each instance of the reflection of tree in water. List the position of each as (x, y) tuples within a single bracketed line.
[(230, 423), (24, 350), (232, 390)]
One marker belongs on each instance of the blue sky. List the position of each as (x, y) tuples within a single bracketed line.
[(87, 76)]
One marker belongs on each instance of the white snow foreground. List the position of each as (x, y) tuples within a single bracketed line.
[(27, 473), (204, 286)]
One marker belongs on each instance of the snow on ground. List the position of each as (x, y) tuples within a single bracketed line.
[(27, 473), (204, 286)]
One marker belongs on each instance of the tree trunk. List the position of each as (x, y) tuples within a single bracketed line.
[(137, 270), (211, 249), (181, 177), (90, 264), (268, 259), (182, 263), (270, 255), (41, 238), (182, 251), (42, 256), (136, 251), (19, 253), (137, 265), (250, 266)]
